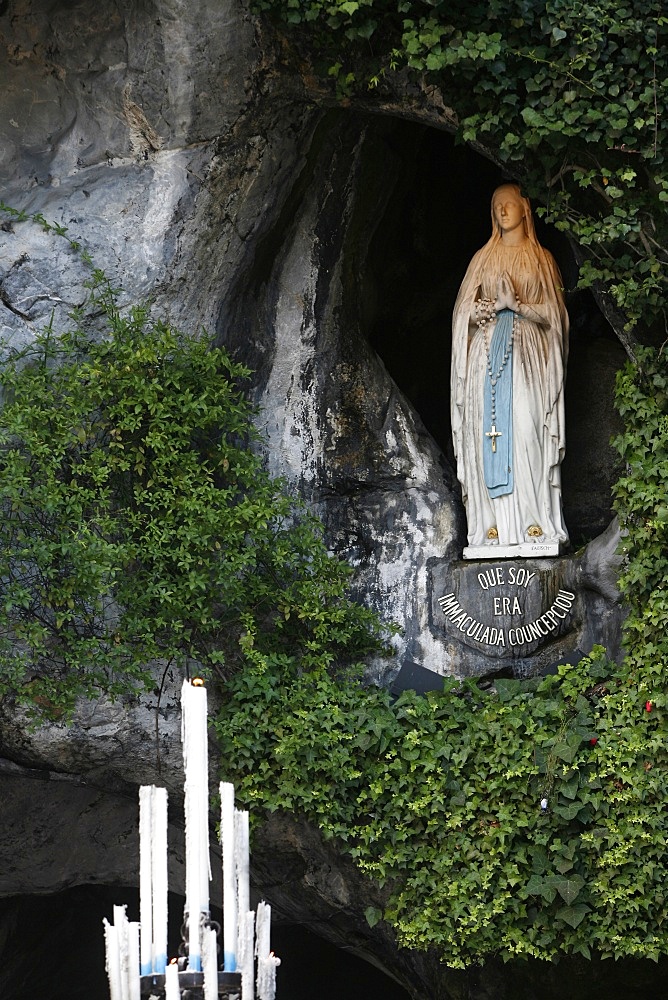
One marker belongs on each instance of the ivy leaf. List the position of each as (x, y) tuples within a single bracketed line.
[(538, 856), (567, 750), (373, 915), (539, 886), (569, 888), (531, 117), (573, 915), (569, 811), (571, 787), (563, 865), (507, 688)]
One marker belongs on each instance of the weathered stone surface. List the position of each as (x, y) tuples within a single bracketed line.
[(599, 571), (70, 833)]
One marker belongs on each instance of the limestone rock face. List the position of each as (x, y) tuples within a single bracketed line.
[(161, 135)]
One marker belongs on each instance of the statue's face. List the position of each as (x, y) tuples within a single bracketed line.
[(508, 209)]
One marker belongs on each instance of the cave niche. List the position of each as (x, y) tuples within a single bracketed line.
[(436, 215)]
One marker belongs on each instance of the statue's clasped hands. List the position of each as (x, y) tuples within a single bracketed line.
[(505, 294)]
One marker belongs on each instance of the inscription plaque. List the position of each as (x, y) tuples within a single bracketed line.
[(510, 609)]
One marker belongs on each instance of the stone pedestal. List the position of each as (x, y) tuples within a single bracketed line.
[(524, 614), (527, 550)]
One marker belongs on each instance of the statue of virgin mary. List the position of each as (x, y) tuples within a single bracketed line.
[(509, 348)]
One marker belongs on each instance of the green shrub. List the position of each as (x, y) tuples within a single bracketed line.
[(139, 523)]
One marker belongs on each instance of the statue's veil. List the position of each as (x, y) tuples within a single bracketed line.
[(550, 277)]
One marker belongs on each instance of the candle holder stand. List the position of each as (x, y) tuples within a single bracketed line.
[(191, 985), (137, 952)]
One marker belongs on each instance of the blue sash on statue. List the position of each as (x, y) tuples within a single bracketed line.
[(497, 464)]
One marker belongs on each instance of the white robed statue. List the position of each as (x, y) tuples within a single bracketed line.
[(509, 348)]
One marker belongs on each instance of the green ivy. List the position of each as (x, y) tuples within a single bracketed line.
[(139, 523), (641, 500), (439, 797), (570, 95)]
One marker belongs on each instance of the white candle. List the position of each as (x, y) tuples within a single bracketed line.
[(266, 977), (247, 954), (153, 878), (266, 961), (172, 988), (113, 960), (159, 877), (145, 880), (121, 927), (195, 761), (210, 963), (134, 986), (229, 879), (263, 930), (245, 918), (242, 864)]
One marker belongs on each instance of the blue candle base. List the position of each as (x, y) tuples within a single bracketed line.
[(229, 984)]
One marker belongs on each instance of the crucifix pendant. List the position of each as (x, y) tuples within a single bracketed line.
[(493, 435)]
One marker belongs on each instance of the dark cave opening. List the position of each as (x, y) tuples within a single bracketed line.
[(52, 948), (436, 216)]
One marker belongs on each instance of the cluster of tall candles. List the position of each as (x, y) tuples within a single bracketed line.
[(136, 952)]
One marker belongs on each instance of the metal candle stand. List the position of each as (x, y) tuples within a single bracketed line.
[(191, 984)]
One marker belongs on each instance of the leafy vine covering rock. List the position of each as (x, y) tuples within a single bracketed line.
[(569, 95), (524, 822)]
